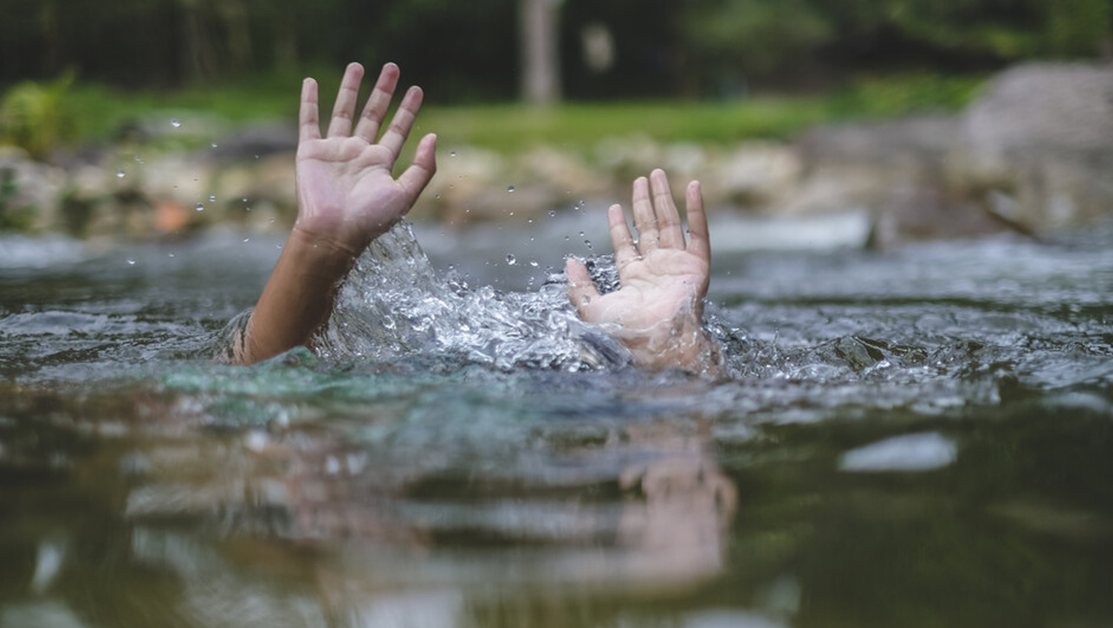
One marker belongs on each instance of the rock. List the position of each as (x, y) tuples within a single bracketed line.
[(894, 170), (462, 175), (628, 157), (911, 214), (914, 144), (29, 192), (753, 175), (255, 143), (1038, 145)]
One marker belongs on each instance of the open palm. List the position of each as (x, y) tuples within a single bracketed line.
[(663, 279), (347, 193)]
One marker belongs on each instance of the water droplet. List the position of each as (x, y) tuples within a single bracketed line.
[(452, 154), (120, 175), (438, 196), (174, 122), (200, 207), (138, 160), (247, 239), (244, 199), (567, 238), (530, 221), (213, 144), (510, 259), (552, 213), (256, 156), (212, 198), (510, 188), (533, 263), (170, 255), (131, 262), (587, 243), (581, 234), (511, 213)]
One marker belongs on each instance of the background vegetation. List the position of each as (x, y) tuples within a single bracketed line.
[(467, 49), (680, 69)]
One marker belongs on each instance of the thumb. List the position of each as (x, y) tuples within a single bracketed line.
[(581, 289)]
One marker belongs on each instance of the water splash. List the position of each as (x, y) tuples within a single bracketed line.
[(394, 304)]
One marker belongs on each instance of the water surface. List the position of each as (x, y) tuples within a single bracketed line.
[(918, 438)]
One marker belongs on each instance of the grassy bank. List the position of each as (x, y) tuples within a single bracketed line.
[(98, 112)]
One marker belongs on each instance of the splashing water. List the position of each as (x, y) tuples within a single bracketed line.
[(393, 304)]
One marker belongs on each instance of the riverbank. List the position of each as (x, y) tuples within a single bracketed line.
[(1027, 155)]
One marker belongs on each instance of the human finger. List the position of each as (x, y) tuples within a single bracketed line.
[(344, 109), (309, 124), (421, 171), (669, 232), (402, 121), (645, 221), (374, 112), (581, 289), (699, 240), (625, 251)]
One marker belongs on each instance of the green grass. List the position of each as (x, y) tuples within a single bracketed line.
[(507, 128)]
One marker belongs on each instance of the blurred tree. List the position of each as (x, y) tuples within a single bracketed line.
[(647, 57), (736, 40), (468, 49), (540, 61)]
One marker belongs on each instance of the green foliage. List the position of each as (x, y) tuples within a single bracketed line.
[(35, 116), (897, 95), (1006, 29), (756, 36), (466, 50)]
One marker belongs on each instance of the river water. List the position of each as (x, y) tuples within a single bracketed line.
[(915, 438)]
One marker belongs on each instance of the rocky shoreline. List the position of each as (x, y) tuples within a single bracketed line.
[(1033, 154)]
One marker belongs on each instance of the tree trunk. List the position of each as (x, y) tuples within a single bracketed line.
[(540, 56)]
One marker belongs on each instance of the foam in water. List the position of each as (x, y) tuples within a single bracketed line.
[(394, 304)]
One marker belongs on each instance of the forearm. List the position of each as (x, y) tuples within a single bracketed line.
[(298, 297)]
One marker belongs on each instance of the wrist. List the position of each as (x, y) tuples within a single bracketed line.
[(670, 345), (327, 242)]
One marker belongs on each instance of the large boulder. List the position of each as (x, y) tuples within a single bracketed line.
[(1033, 154), (1037, 147)]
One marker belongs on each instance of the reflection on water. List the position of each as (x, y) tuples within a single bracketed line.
[(916, 439)]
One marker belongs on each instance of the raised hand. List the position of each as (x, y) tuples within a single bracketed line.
[(347, 197), (347, 194), (658, 310)]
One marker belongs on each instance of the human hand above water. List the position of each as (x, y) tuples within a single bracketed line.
[(347, 194), (658, 310), (347, 197)]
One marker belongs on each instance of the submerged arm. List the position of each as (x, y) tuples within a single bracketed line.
[(347, 197)]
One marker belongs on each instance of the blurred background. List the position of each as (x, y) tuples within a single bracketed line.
[(682, 83), (614, 49)]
